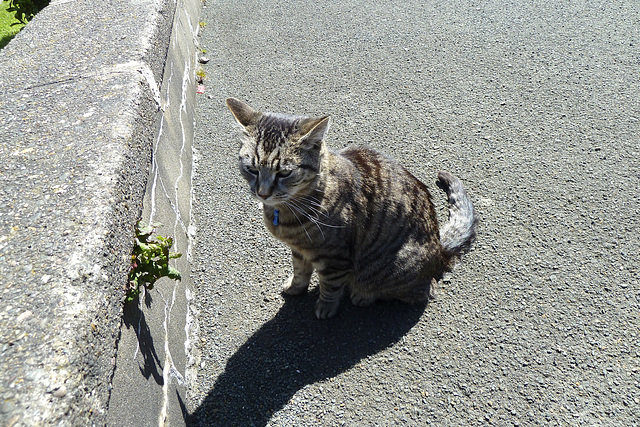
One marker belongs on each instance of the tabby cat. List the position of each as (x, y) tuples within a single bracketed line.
[(355, 216)]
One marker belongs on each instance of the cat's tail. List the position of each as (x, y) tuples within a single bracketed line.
[(459, 232)]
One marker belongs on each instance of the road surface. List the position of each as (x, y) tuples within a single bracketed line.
[(536, 107)]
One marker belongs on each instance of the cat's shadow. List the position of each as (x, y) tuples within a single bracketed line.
[(295, 349)]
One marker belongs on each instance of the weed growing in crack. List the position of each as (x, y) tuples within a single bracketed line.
[(200, 75), (149, 260)]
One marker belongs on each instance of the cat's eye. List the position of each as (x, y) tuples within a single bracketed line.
[(251, 170), (283, 173)]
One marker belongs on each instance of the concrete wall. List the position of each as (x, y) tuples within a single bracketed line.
[(85, 93)]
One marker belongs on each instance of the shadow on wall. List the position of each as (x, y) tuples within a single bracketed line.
[(134, 318), (295, 349)]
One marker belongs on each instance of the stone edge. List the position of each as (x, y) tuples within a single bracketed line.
[(97, 333)]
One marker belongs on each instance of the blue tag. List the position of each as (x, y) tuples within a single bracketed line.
[(276, 217)]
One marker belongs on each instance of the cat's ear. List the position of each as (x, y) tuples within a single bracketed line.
[(314, 130), (244, 114)]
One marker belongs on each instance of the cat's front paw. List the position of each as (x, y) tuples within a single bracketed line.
[(291, 287), (326, 310)]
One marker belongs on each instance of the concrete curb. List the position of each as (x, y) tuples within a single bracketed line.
[(152, 364), (80, 109)]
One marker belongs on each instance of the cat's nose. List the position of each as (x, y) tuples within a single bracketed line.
[(264, 189)]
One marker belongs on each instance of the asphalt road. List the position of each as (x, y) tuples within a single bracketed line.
[(535, 105)]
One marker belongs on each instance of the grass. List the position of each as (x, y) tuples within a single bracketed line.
[(7, 31)]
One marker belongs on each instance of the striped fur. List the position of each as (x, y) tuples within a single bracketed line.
[(356, 217)]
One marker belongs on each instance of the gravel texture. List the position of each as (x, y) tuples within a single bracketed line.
[(535, 107)]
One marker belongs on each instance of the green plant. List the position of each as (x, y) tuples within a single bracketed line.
[(149, 260), (24, 10), (9, 27), (200, 75)]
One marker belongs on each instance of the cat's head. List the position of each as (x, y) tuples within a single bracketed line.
[(281, 154)]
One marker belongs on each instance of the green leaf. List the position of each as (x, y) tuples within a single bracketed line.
[(174, 274), (149, 260)]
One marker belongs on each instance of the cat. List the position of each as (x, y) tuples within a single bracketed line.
[(355, 216)]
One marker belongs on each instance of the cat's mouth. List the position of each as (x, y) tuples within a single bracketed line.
[(272, 200)]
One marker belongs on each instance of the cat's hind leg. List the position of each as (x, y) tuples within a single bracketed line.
[(298, 282), (360, 300)]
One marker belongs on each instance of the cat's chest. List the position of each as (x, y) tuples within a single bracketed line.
[(295, 230), (282, 228), (273, 219)]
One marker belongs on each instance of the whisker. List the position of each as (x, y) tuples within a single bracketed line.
[(310, 197), (318, 209), (316, 220), (314, 201), (313, 204), (302, 225), (316, 212), (306, 215)]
